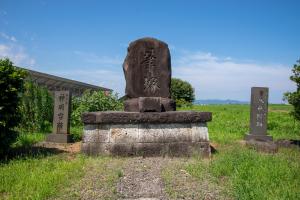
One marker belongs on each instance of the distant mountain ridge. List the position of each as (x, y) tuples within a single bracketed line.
[(219, 101)]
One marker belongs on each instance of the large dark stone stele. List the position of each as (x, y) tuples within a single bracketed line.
[(148, 59)]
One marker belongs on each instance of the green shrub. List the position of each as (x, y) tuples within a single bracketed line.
[(182, 92), (11, 87), (93, 101), (294, 97), (26, 140), (37, 109)]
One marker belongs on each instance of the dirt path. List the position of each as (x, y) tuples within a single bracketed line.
[(132, 178), (142, 179)]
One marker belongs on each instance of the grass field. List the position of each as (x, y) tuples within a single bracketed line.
[(231, 122), (238, 172)]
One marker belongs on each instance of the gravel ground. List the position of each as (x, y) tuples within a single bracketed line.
[(142, 179)]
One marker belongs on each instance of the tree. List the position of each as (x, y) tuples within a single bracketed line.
[(182, 92), (11, 88), (294, 97), (93, 101)]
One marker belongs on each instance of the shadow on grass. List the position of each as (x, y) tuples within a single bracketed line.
[(288, 143), (30, 152), (213, 149)]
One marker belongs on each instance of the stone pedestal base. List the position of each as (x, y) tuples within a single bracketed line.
[(59, 138), (263, 138), (266, 146), (146, 134)]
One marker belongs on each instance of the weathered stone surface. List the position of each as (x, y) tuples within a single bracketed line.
[(61, 118), (124, 133), (148, 149), (139, 105), (150, 104), (147, 69), (116, 117), (58, 138), (199, 132), (259, 114), (147, 139), (263, 146)]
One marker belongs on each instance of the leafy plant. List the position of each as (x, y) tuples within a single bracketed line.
[(37, 108), (294, 97), (182, 92), (11, 88), (93, 101)]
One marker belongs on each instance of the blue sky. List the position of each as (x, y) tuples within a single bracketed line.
[(222, 47)]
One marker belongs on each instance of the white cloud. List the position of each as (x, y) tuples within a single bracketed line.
[(7, 37), (17, 54), (96, 59), (213, 77)]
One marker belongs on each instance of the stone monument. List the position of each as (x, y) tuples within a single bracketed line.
[(259, 114), (147, 69), (61, 118), (149, 125)]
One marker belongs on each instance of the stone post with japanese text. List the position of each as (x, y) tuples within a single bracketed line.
[(259, 114), (61, 118)]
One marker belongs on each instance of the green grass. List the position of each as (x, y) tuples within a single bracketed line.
[(28, 139), (231, 122), (76, 133), (38, 178), (247, 174), (242, 173)]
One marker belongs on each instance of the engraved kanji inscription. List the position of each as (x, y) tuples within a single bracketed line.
[(61, 112), (151, 81)]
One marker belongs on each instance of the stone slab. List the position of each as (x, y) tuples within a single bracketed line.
[(150, 104), (177, 149), (116, 117), (258, 137), (147, 69), (141, 105), (59, 138), (263, 146)]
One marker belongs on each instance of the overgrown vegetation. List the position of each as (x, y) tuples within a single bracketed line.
[(37, 109), (93, 101), (11, 87), (182, 92), (294, 97)]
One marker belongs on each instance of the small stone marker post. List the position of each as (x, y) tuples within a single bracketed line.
[(61, 118), (259, 115)]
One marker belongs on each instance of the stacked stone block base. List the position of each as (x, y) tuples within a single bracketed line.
[(171, 139)]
